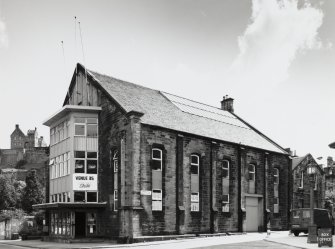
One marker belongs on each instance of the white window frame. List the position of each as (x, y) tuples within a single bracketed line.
[(116, 161), (276, 176), (226, 202), (301, 184), (156, 200), (195, 164), (253, 172), (226, 168), (157, 159), (115, 200), (316, 182)]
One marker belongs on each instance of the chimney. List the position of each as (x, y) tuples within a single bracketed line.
[(16, 126), (227, 104)]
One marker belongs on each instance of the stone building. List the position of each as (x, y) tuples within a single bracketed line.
[(127, 161), (302, 183), (29, 148)]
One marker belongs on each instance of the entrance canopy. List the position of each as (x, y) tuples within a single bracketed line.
[(56, 205)]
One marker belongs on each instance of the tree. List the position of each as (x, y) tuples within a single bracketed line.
[(7, 193), (32, 193)]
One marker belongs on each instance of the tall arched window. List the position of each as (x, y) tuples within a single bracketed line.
[(194, 168), (115, 163), (225, 168), (276, 188), (157, 178)]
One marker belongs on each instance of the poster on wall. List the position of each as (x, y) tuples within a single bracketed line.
[(85, 182)]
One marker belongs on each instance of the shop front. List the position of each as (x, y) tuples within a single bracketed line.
[(72, 220)]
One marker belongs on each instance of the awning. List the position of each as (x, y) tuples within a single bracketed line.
[(70, 205)]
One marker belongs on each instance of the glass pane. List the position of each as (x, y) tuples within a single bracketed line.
[(194, 159), (306, 214), (225, 173), (225, 198), (92, 130), (79, 196), (79, 120), (225, 164), (79, 130), (194, 169), (156, 165), (251, 168), (157, 154), (92, 166), (79, 154), (91, 154), (79, 166), (91, 196)]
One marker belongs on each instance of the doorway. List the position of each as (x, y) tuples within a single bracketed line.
[(80, 221), (254, 211)]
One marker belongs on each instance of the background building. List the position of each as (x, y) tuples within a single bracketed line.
[(128, 161), (302, 183)]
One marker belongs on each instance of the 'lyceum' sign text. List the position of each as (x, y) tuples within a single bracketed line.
[(85, 182)]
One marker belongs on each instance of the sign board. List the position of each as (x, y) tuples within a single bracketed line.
[(84, 182), (325, 237), (145, 192)]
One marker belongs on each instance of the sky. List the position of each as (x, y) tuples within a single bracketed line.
[(274, 57)]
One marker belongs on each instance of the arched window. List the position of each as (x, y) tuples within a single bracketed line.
[(225, 185), (115, 163), (251, 178), (225, 169), (157, 159), (194, 168), (276, 187), (157, 178), (252, 172)]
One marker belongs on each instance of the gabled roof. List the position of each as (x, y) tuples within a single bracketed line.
[(296, 161), (177, 113)]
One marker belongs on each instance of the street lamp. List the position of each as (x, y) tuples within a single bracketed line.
[(312, 233)]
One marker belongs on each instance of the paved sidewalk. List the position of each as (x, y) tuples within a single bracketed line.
[(291, 240), (175, 244)]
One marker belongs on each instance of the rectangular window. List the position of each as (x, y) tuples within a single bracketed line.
[(301, 183), (79, 166), (276, 205), (156, 200), (92, 166), (91, 196), (79, 129), (92, 130), (68, 164), (79, 196), (79, 154), (225, 169), (315, 182), (195, 197), (115, 199)]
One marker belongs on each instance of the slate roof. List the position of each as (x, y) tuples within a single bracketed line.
[(180, 114), (297, 160)]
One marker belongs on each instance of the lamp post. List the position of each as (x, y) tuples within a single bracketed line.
[(312, 233)]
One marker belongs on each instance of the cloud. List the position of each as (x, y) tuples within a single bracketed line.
[(277, 32), (3, 35)]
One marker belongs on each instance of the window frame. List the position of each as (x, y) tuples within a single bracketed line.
[(195, 164), (157, 159), (225, 168), (253, 172), (301, 183)]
